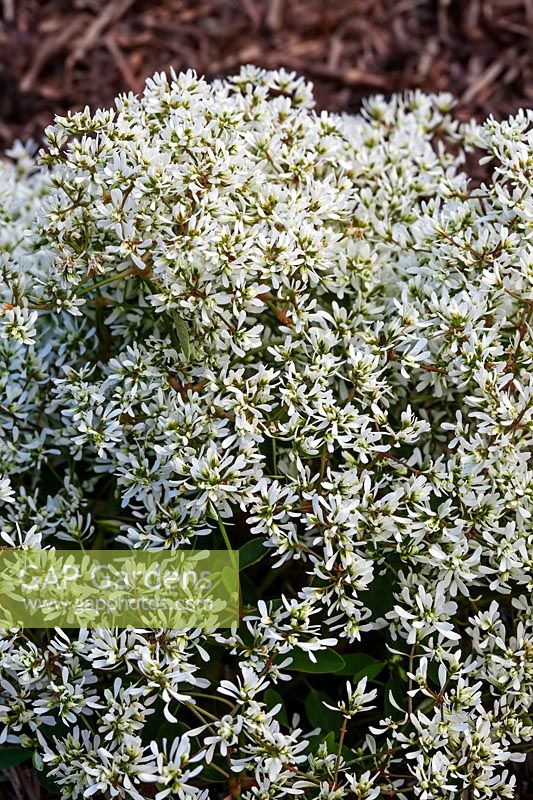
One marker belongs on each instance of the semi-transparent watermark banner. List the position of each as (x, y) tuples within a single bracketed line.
[(102, 588)]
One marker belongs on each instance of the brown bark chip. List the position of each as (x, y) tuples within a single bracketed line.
[(57, 55)]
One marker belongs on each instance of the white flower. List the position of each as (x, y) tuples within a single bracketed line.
[(175, 766), (246, 687), (357, 701), (18, 323), (7, 493), (224, 315)]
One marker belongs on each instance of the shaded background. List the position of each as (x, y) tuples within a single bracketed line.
[(63, 54)]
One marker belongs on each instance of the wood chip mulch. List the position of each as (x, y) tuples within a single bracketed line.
[(64, 54)]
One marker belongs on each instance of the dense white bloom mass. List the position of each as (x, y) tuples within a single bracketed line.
[(220, 308)]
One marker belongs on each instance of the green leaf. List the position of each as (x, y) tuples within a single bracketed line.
[(371, 671), (268, 449), (355, 662), (11, 756), (359, 665), (251, 552), (272, 698), (318, 715), (182, 330), (326, 661), (398, 692), (230, 579), (250, 595), (330, 742), (379, 596)]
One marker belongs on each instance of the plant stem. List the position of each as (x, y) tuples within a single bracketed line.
[(339, 750)]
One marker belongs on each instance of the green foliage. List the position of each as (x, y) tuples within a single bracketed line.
[(11, 756), (326, 660)]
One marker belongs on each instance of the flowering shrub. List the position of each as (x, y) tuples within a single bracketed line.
[(228, 318)]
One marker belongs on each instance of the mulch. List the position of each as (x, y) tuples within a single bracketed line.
[(65, 54)]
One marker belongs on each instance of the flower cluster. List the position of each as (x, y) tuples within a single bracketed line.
[(226, 316)]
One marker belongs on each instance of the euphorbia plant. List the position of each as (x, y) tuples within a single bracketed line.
[(229, 318)]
